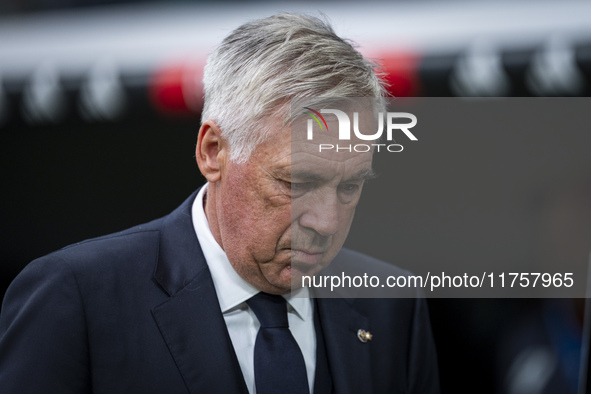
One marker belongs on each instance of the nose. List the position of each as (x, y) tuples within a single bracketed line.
[(320, 212)]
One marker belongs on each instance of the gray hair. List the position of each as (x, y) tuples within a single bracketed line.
[(255, 72)]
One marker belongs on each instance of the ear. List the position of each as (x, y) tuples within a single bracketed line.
[(211, 151)]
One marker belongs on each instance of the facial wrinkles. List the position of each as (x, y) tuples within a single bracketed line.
[(273, 202)]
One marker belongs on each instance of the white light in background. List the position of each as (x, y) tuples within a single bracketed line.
[(102, 96), (43, 98)]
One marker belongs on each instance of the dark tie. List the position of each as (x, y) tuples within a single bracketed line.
[(279, 366)]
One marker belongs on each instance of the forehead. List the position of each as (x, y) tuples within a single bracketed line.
[(307, 158), (290, 151)]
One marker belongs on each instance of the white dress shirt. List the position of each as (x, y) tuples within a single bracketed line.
[(233, 292)]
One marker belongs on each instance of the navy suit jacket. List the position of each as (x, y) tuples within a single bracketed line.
[(137, 312)]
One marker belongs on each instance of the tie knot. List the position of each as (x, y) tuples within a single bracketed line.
[(271, 310)]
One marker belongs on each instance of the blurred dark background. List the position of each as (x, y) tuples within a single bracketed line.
[(99, 113)]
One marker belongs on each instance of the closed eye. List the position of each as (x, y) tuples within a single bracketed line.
[(301, 186)]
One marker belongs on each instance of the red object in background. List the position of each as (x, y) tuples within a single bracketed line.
[(177, 88), (402, 74)]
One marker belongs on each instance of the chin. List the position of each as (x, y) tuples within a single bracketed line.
[(286, 277), (299, 270)]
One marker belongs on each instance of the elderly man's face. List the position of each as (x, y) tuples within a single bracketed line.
[(287, 211)]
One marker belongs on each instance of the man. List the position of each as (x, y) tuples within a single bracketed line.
[(201, 301)]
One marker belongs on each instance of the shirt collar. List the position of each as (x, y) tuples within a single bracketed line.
[(301, 303), (230, 288)]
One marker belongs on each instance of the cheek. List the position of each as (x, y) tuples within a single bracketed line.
[(346, 219), (268, 233), (255, 221)]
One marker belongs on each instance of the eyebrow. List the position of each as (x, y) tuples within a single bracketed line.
[(364, 175), (308, 176)]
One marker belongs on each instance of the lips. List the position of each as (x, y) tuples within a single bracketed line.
[(308, 251), (306, 257)]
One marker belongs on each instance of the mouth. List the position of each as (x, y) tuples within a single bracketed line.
[(305, 257)]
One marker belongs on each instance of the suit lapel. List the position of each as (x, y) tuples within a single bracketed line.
[(196, 334), (348, 358), (190, 321)]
